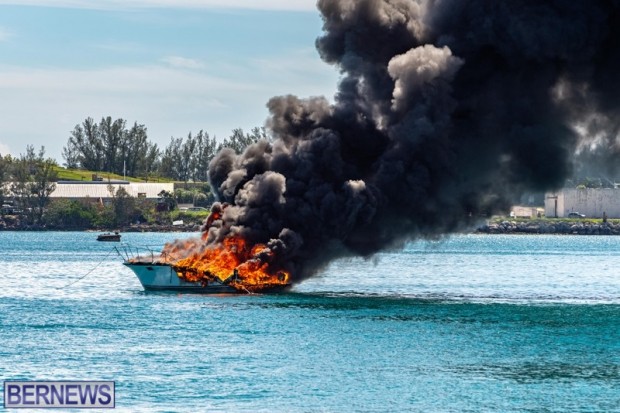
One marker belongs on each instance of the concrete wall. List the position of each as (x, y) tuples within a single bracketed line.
[(589, 201), (519, 211)]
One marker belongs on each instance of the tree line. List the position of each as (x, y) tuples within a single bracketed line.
[(113, 146), (27, 180)]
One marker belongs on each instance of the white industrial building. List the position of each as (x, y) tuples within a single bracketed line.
[(100, 191), (592, 202)]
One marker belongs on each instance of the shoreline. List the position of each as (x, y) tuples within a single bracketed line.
[(132, 228), (496, 227), (549, 227)]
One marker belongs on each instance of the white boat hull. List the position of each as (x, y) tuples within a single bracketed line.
[(162, 277)]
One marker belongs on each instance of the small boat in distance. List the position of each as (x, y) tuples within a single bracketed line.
[(108, 236)]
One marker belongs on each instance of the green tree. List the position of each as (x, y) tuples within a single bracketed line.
[(188, 159), (123, 206), (182, 158), (71, 155), (184, 196), (151, 161), (238, 141), (20, 183), (166, 201), (44, 183), (109, 146), (203, 200), (84, 147), (34, 179), (112, 135), (206, 148), (171, 159), (70, 214), (138, 156), (5, 169), (105, 217)]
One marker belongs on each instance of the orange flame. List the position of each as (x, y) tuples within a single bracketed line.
[(233, 262)]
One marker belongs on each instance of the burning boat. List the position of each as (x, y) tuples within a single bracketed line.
[(163, 277), (229, 267), (232, 265)]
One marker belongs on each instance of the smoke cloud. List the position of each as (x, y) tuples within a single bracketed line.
[(446, 111)]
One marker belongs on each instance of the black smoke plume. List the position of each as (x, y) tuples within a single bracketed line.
[(446, 111)]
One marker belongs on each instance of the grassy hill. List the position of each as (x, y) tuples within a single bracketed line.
[(65, 174)]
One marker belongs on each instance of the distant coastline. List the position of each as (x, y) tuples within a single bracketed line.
[(550, 226), (189, 227), (494, 226)]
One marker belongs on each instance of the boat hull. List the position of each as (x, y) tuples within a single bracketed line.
[(162, 277), (109, 237)]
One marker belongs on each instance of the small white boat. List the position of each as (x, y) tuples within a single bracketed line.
[(162, 277)]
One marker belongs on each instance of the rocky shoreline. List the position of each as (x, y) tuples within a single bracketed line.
[(549, 227)]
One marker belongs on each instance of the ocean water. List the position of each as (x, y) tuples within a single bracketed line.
[(472, 323)]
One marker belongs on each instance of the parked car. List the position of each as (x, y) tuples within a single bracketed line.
[(197, 209), (576, 215)]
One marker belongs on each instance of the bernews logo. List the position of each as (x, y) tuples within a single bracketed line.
[(65, 394)]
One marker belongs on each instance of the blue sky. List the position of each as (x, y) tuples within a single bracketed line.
[(173, 65)]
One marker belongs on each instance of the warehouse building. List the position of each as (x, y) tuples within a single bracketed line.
[(102, 191), (591, 202)]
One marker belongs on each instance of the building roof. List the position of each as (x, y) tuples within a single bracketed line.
[(98, 190)]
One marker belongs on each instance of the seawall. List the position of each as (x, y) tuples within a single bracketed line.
[(548, 227)]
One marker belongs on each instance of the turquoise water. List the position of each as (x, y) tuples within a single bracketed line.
[(472, 323)]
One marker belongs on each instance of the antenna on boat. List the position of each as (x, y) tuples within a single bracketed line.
[(126, 257)]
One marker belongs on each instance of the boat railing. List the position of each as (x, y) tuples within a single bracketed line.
[(141, 253)]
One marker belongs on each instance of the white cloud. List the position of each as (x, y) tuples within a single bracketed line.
[(4, 149), (132, 4), (183, 62), (41, 106), (299, 73), (119, 79)]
